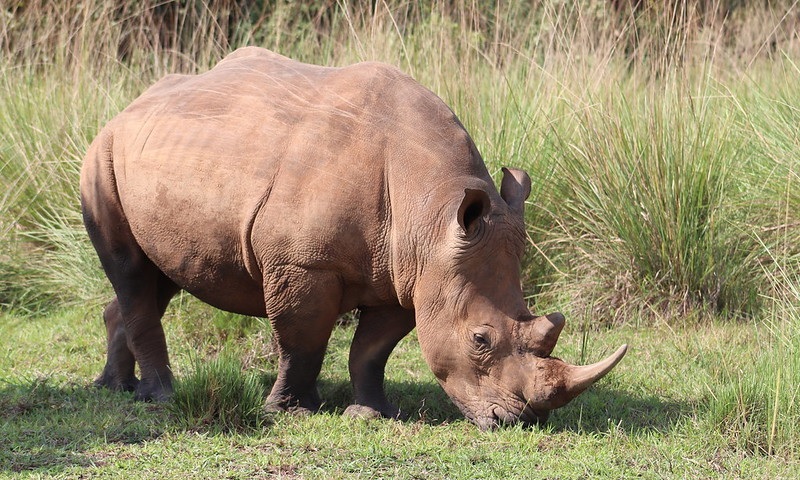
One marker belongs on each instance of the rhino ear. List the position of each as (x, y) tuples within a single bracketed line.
[(515, 188), (472, 209)]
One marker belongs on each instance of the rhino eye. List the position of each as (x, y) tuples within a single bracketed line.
[(481, 341)]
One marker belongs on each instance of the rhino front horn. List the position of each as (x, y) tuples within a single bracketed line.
[(579, 379)]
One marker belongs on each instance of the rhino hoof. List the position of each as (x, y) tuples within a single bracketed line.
[(288, 407), (152, 397), (363, 412), (369, 413), (112, 383), (153, 391)]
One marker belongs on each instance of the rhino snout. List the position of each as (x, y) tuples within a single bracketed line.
[(532, 390)]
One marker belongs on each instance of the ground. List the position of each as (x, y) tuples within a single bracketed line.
[(648, 418)]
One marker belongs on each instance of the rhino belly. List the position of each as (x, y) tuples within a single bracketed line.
[(206, 262)]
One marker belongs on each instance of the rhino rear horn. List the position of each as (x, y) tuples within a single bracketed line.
[(540, 334), (515, 188)]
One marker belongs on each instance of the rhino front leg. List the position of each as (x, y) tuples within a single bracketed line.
[(302, 306), (378, 332)]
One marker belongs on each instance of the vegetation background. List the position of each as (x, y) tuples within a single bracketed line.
[(664, 145)]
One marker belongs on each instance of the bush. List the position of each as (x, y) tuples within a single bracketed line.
[(647, 209)]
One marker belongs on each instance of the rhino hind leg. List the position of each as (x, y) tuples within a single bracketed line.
[(134, 330), (140, 333), (133, 318), (378, 332), (118, 373)]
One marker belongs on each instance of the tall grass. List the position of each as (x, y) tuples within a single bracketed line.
[(636, 206), (640, 126), (759, 406), (648, 206)]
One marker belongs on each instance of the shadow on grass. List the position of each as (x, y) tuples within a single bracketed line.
[(418, 401), (601, 409), (50, 427), (597, 410)]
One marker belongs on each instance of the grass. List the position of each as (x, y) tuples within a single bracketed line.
[(217, 392), (759, 404), (651, 205), (653, 187), (663, 147), (652, 417)]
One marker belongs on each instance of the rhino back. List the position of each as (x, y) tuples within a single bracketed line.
[(264, 161)]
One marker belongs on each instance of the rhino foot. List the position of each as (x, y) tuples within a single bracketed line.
[(362, 412), (368, 413), (302, 406), (113, 382), (295, 410), (157, 390)]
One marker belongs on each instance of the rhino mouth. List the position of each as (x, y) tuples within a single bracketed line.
[(497, 416), (528, 416), (492, 415)]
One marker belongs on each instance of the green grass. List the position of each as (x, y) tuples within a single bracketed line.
[(652, 417), (665, 213), (650, 216), (218, 392), (759, 405), (654, 187)]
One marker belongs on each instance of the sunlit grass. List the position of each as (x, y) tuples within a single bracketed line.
[(647, 208), (648, 189), (216, 392), (759, 404), (649, 417)]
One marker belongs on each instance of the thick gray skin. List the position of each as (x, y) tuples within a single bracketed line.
[(272, 188)]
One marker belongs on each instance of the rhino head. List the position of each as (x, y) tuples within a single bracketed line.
[(488, 351)]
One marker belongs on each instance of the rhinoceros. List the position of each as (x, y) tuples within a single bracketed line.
[(273, 188)]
